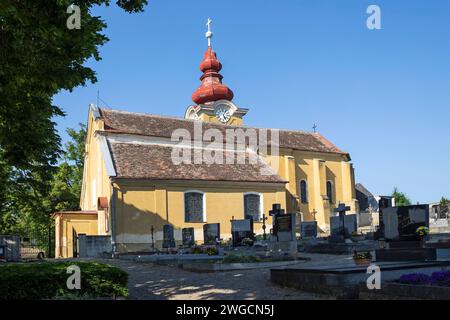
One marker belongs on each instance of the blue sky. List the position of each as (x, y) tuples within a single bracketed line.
[(382, 95)]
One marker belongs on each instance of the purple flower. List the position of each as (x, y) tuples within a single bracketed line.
[(440, 278), (415, 278)]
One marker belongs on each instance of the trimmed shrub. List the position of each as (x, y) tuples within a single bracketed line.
[(234, 258), (48, 280)]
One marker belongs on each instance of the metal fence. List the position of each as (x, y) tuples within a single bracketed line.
[(38, 245)]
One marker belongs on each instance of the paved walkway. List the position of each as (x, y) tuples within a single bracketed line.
[(148, 281)]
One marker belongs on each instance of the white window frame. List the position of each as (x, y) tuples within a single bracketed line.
[(261, 203), (204, 205)]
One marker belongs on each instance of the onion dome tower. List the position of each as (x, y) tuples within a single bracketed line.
[(213, 98)]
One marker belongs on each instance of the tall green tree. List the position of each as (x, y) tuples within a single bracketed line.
[(66, 183), (28, 209), (40, 56), (401, 199)]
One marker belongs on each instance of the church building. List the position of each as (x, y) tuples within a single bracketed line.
[(144, 171)]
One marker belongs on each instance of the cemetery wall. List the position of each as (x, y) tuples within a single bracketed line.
[(93, 246)]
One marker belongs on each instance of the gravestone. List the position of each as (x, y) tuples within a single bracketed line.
[(284, 228), (283, 239), (241, 229), (398, 228), (401, 223), (350, 225), (211, 233), (188, 238), (308, 229), (276, 210), (168, 237)]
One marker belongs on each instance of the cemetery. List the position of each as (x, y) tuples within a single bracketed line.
[(401, 247), (413, 262)]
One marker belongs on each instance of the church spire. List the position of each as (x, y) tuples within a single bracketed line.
[(211, 88)]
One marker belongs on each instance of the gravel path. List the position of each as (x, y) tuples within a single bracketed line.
[(148, 281)]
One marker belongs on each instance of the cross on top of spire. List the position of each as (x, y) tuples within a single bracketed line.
[(209, 33)]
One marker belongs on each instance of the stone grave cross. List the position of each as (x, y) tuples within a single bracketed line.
[(264, 218), (342, 209)]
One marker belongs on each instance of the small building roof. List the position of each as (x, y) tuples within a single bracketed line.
[(81, 212)]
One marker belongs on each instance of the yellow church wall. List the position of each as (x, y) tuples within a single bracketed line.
[(141, 205), (65, 224), (96, 182), (234, 120), (316, 169)]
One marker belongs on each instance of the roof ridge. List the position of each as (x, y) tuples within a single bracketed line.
[(209, 123)]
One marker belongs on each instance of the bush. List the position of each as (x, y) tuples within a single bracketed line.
[(234, 258), (48, 280), (205, 249)]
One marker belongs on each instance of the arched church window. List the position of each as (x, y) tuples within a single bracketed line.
[(252, 206), (330, 191), (303, 191), (194, 210)]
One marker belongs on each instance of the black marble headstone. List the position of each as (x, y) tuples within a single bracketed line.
[(401, 223), (211, 233), (308, 229), (241, 229), (168, 236), (188, 237), (284, 227)]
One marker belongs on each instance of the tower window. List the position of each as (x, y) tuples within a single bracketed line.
[(194, 206), (303, 191)]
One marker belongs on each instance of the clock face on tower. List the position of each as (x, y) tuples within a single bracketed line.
[(223, 113)]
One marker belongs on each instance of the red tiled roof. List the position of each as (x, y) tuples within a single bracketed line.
[(144, 161), (82, 212), (158, 126)]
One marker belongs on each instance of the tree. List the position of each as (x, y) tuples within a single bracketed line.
[(66, 184), (400, 198), (28, 204), (444, 207), (39, 56)]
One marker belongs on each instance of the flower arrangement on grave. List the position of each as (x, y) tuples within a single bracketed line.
[(209, 250), (362, 258), (422, 232), (247, 242)]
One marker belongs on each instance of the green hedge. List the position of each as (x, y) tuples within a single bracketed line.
[(235, 258), (32, 281)]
